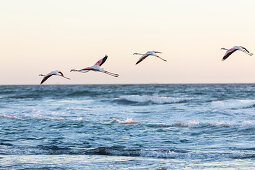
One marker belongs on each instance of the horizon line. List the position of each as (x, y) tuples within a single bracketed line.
[(121, 84)]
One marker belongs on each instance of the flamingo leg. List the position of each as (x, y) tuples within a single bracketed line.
[(66, 77), (247, 52), (250, 54), (138, 54), (81, 71), (161, 58), (111, 74), (224, 49)]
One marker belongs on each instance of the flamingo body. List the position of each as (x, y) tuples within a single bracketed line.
[(97, 68), (232, 50), (56, 73), (148, 53)]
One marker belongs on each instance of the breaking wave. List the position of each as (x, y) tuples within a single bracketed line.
[(233, 104), (166, 153), (152, 99), (196, 124), (171, 153), (127, 121)]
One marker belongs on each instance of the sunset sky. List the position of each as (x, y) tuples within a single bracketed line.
[(38, 36)]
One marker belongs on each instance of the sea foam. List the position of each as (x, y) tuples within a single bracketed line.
[(153, 99), (233, 104)]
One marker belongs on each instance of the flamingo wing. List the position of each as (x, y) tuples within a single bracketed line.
[(45, 78), (87, 69), (228, 53), (101, 62), (142, 58), (61, 74)]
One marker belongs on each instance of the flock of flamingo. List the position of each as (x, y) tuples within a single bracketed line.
[(97, 67)]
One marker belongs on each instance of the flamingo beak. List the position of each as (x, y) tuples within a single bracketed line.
[(158, 52)]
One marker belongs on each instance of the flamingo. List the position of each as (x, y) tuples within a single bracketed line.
[(97, 67), (232, 50), (56, 73), (148, 53)]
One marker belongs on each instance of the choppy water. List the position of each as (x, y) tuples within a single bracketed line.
[(127, 126)]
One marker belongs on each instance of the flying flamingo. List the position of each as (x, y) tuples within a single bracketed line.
[(97, 67), (148, 53), (56, 73), (232, 50)]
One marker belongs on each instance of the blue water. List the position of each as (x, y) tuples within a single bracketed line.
[(127, 126)]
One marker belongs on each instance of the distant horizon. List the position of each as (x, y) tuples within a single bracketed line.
[(125, 84)]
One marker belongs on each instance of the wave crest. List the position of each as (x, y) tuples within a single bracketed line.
[(233, 104), (153, 99), (127, 121), (167, 153)]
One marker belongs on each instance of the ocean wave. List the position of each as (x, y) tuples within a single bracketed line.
[(241, 126), (83, 93), (191, 124), (9, 116), (152, 99), (233, 104), (58, 116), (25, 96), (127, 121), (186, 124), (122, 151), (203, 124), (167, 153), (171, 153)]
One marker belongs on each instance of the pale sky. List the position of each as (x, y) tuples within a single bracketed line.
[(39, 36)]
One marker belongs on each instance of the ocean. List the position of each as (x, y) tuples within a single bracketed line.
[(152, 126)]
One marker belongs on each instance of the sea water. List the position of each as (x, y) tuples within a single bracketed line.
[(171, 126)]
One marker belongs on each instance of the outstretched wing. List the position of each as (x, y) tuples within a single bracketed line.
[(87, 69), (101, 62), (228, 53), (45, 78), (61, 73), (142, 58)]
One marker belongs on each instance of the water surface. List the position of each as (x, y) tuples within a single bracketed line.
[(128, 126)]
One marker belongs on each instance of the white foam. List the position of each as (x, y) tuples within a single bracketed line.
[(233, 104), (154, 99), (8, 116), (127, 121), (206, 123), (241, 124), (79, 119), (57, 113)]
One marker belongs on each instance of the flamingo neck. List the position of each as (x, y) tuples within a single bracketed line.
[(138, 54), (224, 49)]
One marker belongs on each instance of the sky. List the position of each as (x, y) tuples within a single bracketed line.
[(39, 36)]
